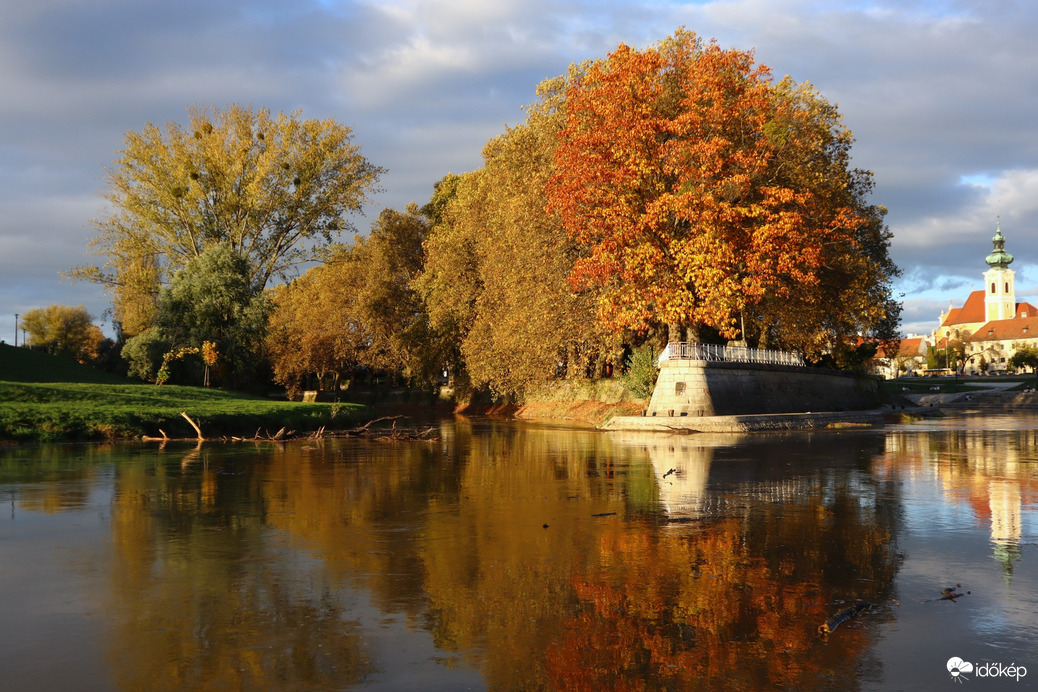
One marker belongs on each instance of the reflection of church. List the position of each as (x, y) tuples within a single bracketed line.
[(991, 324), (1006, 506), (990, 475)]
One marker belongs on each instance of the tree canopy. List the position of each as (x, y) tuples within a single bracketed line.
[(498, 263), (64, 331), (709, 195), (210, 300), (358, 309), (277, 189), (675, 186)]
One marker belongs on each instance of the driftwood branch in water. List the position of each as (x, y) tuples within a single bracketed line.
[(164, 438), (285, 434), (395, 436), (193, 425)]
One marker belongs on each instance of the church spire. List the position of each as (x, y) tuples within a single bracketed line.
[(999, 258)]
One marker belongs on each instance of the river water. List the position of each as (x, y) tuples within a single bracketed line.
[(508, 555)]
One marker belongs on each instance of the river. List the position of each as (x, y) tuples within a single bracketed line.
[(517, 556)]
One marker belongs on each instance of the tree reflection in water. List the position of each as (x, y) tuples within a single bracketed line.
[(535, 557)]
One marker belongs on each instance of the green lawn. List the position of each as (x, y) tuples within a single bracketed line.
[(43, 398)]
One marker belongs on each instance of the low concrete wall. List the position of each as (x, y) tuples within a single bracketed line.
[(766, 422), (697, 388)]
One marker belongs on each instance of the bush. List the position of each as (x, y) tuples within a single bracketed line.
[(642, 370)]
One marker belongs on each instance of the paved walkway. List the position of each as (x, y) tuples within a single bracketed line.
[(938, 398)]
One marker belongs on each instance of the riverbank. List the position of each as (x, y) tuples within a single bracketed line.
[(581, 402), (44, 398), (52, 412)]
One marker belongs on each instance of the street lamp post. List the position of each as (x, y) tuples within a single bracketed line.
[(16, 329)]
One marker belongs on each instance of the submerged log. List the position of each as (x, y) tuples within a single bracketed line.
[(830, 625)]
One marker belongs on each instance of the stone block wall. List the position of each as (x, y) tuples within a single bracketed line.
[(700, 388)]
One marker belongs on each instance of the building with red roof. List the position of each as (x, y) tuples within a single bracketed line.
[(991, 324)]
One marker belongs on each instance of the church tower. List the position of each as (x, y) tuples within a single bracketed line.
[(999, 291)]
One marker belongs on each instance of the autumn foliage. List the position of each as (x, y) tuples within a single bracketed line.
[(675, 186), (708, 195)]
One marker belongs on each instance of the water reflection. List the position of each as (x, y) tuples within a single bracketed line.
[(509, 556), (990, 472)]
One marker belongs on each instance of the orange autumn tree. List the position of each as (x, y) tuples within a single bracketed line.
[(708, 195)]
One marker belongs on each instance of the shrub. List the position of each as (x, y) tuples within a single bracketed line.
[(642, 370)]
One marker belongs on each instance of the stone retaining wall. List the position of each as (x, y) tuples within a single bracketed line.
[(697, 388)]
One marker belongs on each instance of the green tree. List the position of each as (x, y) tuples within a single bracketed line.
[(642, 371), (212, 299), (276, 189), (1024, 357), (64, 331), (143, 354), (950, 356)]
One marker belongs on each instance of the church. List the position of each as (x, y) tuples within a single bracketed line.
[(991, 324)]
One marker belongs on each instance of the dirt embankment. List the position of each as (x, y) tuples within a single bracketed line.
[(583, 402), (586, 412), (590, 412)]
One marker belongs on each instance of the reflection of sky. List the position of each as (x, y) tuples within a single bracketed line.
[(930, 510), (951, 503)]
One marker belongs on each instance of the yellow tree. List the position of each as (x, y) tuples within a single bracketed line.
[(498, 265), (63, 331), (707, 194), (402, 338), (314, 329), (277, 189)]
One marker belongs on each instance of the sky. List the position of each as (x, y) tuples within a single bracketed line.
[(942, 97)]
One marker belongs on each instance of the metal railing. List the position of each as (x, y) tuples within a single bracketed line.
[(738, 354)]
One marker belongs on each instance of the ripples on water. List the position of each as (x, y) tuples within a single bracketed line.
[(515, 556)]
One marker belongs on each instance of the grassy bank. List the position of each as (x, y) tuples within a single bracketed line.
[(43, 398)]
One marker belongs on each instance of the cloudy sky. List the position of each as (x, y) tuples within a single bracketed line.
[(942, 96)]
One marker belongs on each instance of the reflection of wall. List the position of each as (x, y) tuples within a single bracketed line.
[(681, 472)]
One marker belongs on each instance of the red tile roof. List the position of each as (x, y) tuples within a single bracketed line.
[(911, 347), (970, 313), (1004, 330), (1026, 310), (973, 311)]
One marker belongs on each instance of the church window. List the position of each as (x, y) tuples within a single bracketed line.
[(992, 286), (1007, 287)]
